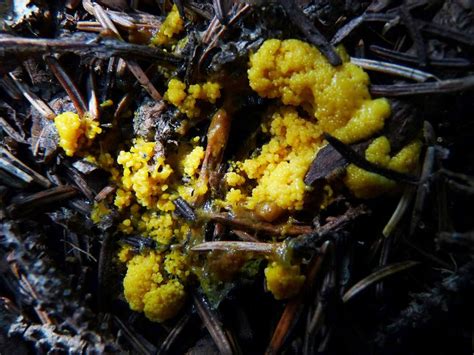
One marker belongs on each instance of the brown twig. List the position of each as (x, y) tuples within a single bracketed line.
[(212, 324), (294, 308), (68, 85), (34, 203), (249, 224), (300, 20), (42, 107)]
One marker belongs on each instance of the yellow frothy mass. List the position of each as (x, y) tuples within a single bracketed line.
[(338, 97), (283, 281), (315, 98), (145, 176), (147, 185), (337, 101), (75, 132), (152, 289), (365, 184), (280, 166), (186, 101), (172, 26)]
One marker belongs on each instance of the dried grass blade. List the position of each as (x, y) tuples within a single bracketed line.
[(174, 335), (399, 212), (139, 343), (376, 277), (10, 131), (415, 34), (450, 63), (15, 171), (10, 88), (427, 169)]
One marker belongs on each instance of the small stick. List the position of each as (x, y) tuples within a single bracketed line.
[(36, 201), (41, 106), (438, 87), (38, 178), (249, 224), (301, 21), (415, 34), (254, 247), (398, 56), (98, 47), (353, 157), (68, 85), (212, 324)]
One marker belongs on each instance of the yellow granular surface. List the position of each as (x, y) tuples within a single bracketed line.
[(337, 101), (148, 290), (186, 100), (147, 185), (234, 179), (145, 176), (338, 97), (367, 185), (283, 281), (172, 26), (75, 132), (99, 211), (315, 98), (193, 160), (280, 167)]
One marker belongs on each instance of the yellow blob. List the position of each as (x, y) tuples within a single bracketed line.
[(143, 273), (172, 26), (367, 185), (144, 175), (300, 75), (146, 289), (283, 281), (193, 160), (186, 101), (165, 301), (280, 166), (176, 264), (234, 179), (99, 211), (74, 131), (337, 100)]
